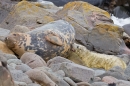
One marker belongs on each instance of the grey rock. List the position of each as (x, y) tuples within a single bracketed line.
[(20, 28), (127, 71), (83, 84), (12, 66), (99, 84), (99, 72), (74, 71), (32, 60), (60, 73), (39, 76), (70, 81), (16, 61), (23, 67), (125, 58), (57, 60), (122, 83), (9, 56), (19, 76), (116, 72), (33, 84), (3, 33), (55, 77), (20, 83)]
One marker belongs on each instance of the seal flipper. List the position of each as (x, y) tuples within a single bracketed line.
[(54, 39)]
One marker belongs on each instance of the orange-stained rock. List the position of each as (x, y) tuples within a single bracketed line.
[(27, 14), (4, 48)]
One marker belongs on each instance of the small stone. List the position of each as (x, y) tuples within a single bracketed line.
[(57, 60), (23, 67), (33, 84), (70, 81), (60, 73), (83, 84), (109, 79), (18, 75), (16, 61), (20, 83), (40, 77), (19, 28), (32, 60), (99, 84)]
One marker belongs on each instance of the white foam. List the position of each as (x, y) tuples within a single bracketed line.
[(120, 21)]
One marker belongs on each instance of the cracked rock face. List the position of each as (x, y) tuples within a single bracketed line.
[(93, 26)]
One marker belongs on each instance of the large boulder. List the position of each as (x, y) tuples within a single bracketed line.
[(93, 26), (27, 14)]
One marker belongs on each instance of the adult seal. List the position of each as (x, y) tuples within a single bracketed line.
[(50, 40)]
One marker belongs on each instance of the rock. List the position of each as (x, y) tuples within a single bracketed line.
[(83, 84), (74, 71), (40, 77), (23, 67), (121, 12), (3, 33), (99, 84), (9, 56), (127, 70), (4, 48), (94, 24), (60, 73), (5, 7), (125, 58), (32, 60), (69, 81), (16, 61), (27, 14), (122, 83), (48, 6), (12, 66), (99, 72), (20, 83), (54, 77), (19, 76), (116, 72), (19, 28), (33, 84), (109, 79), (57, 60), (5, 76)]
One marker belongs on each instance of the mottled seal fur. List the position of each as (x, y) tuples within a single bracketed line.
[(5, 76), (97, 60), (50, 40)]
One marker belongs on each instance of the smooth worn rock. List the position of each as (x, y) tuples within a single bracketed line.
[(59, 80), (4, 48), (127, 71), (60, 73), (99, 84), (93, 26), (5, 7), (12, 66), (5, 76), (33, 84), (99, 72), (3, 33), (109, 79), (20, 83), (19, 28), (57, 60), (23, 67), (74, 71), (122, 83), (83, 84), (69, 81), (116, 72), (19, 76), (40, 77), (48, 41), (16, 61), (27, 14), (32, 60)]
